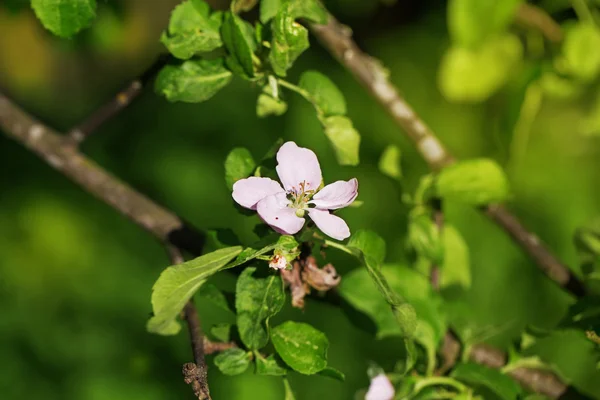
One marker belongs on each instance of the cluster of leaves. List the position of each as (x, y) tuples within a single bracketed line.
[(489, 51), (212, 47)]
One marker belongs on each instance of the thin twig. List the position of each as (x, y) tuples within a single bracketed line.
[(194, 374), (534, 17), (91, 124), (337, 38), (58, 152), (438, 220)]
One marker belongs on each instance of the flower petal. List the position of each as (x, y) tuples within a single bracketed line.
[(380, 389), (330, 224), (274, 211), (336, 195), (248, 192), (296, 165)]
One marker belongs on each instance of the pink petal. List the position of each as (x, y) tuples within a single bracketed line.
[(330, 224), (380, 389), (296, 165), (274, 211), (336, 195), (248, 192)]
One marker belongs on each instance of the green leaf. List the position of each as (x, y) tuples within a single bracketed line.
[(268, 9), (323, 93), (65, 18), (178, 283), (211, 293), (560, 87), (311, 10), (239, 40), (268, 105), (256, 300), (192, 30), (581, 50), (233, 361), (239, 164), (472, 22), (344, 138), (268, 366), (244, 5), (290, 39), (331, 372), (289, 393), (473, 75), (221, 332), (193, 81), (389, 163), (475, 374), (476, 182), (456, 268), (301, 346), (370, 244), (424, 238), (284, 244), (426, 336)]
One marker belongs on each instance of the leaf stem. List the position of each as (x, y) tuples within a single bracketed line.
[(294, 88), (583, 11)]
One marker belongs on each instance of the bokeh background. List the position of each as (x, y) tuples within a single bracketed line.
[(75, 277)]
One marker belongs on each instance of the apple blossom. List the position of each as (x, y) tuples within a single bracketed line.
[(284, 208), (380, 389)]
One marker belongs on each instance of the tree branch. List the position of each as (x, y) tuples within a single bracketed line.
[(534, 17), (337, 38), (58, 152), (194, 374), (79, 133)]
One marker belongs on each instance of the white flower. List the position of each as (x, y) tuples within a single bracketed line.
[(278, 262), (380, 389)]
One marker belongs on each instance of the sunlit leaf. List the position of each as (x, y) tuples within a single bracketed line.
[(389, 163), (268, 105), (65, 18), (456, 268), (301, 346), (193, 81), (324, 94), (290, 39), (580, 48), (476, 182), (344, 138), (268, 9), (256, 300), (178, 283), (192, 30), (370, 244), (268, 366)]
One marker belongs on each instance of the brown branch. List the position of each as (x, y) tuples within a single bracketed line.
[(438, 220), (58, 152), (337, 38), (534, 17), (194, 374), (79, 133)]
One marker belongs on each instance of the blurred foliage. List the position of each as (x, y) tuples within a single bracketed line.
[(77, 277)]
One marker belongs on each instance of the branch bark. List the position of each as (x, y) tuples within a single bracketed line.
[(337, 38), (59, 153)]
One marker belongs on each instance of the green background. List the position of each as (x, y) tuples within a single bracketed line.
[(75, 276)]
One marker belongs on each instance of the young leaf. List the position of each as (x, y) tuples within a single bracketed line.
[(344, 138), (426, 337), (221, 332), (178, 283), (285, 243), (473, 75), (472, 22), (233, 361), (289, 393), (301, 346), (290, 39), (370, 244), (268, 105), (311, 10), (65, 18), (239, 40), (475, 374), (244, 5), (476, 182), (324, 94), (331, 372), (193, 81), (456, 268), (192, 30), (268, 366), (239, 164), (581, 50), (389, 163), (268, 9), (256, 300), (424, 238)]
